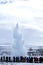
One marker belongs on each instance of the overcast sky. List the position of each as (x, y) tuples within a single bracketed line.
[(28, 13)]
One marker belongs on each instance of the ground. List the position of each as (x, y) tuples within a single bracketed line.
[(22, 64)]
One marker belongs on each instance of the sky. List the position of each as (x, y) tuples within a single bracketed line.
[(27, 13)]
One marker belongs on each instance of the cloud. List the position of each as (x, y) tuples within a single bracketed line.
[(7, 19), (24, 13), (6, 1), (39, 22), (32, 37), (6, 36)]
